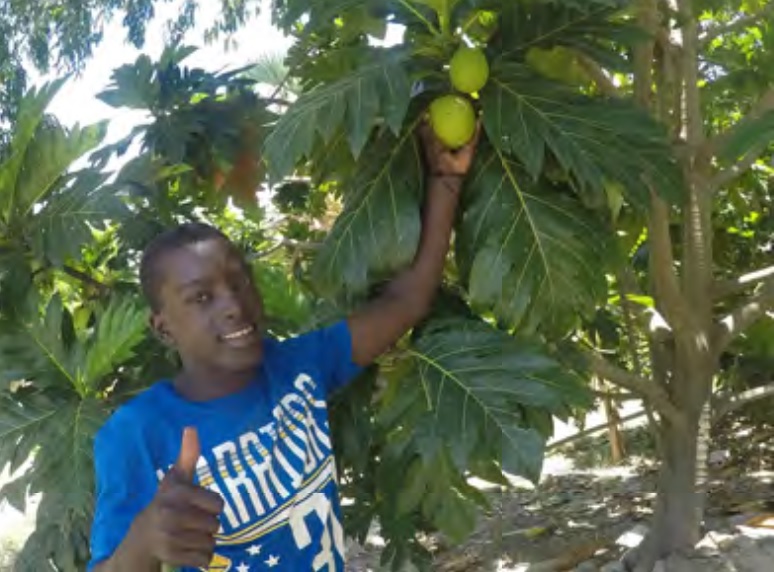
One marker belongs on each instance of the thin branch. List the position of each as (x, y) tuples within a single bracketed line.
[(713, 146), (730, 404), (591, 430), (286, 243), (744, 316), (616, 395), (86, 278), (730, 287), (642, 386), (725, 176), (600, 77), (737, 25)]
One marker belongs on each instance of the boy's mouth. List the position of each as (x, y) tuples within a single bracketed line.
[(240, 334)]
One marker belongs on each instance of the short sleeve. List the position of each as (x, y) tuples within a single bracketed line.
[(123, 489), (331, 350)]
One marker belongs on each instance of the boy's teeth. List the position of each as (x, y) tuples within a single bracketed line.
[(239, 334)]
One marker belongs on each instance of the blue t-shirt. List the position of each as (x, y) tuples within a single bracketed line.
[(265, 450)]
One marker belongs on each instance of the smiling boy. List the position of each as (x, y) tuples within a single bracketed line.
[(229, 465)]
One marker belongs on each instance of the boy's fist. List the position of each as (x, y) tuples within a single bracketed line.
[(180, 523)]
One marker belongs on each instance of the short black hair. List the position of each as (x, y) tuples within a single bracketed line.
[(173, 239)]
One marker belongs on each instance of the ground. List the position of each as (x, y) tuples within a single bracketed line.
[(586, 513)]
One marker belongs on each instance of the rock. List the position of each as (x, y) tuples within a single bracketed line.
[(633, 537), (588, 566), (613, 567), (718, 459), (660, 566), (714, 542)]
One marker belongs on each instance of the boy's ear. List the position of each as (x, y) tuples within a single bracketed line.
[(156, 323)]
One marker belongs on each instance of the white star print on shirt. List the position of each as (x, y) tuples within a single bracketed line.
[(254, 550), (272, 561), (243, 568)]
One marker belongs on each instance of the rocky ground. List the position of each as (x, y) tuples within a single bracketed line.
[(586, 513)]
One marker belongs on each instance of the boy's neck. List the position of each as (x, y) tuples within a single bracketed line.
[(206, 386)]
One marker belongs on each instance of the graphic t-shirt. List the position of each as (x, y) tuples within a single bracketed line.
[(265, 450)]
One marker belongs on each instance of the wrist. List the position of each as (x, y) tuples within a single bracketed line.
[(449, 181), (140, 542)]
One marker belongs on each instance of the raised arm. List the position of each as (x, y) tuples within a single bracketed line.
[(408, 298)]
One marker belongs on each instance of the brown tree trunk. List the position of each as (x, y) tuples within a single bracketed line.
[(676, 525), (617, 451)]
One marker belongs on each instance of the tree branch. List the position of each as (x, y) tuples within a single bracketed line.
[(744, 316), (285, 242), (735, 26), (714, 145), (86, 278), (734, 402), (600, 77), (730, 287), (725, 176), (642, 386), (662, 265)]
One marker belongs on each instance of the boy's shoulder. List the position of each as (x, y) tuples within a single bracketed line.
[(132, 416)]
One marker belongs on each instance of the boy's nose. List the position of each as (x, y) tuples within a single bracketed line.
[(231, 308)]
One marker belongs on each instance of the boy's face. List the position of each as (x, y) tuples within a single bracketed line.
[(210, 310)]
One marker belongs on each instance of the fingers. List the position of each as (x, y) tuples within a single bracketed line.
[(188, 557), (179, 495), (185, 467)]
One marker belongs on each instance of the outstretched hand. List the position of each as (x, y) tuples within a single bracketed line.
[(444, 162)]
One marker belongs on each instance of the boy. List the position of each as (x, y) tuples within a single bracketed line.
[(229, 465)]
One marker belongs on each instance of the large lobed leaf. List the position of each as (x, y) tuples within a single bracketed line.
[(596, 141), (378, 231), (529, 252), (21, 423), (31, 114), (47, 159), (468, 399), (119, 330), (590, 27), (377, 91), (63, 225), (63, 470), (32, 349), (478, 383)]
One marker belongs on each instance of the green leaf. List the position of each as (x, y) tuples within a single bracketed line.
[(133, 86), (378, 231), (118, 332), (31, 114), (20, 422), (63, 470), (378, 91), (476, 380), (529, 251), (592, 27), (48, 159), (64, 223), (594, 140), (34, 350)]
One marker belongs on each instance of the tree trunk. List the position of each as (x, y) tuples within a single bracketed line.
[(614, 431), (676, 525)]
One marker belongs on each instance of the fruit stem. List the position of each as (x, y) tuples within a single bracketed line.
[(445, 16)]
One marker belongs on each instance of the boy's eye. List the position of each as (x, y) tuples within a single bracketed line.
[(202, 297)]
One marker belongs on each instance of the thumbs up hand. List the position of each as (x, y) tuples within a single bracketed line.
[(181, 521)]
